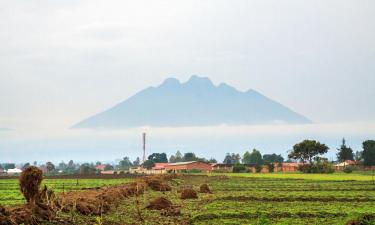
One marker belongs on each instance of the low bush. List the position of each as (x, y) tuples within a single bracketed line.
[(317, 167), (258, 168), (239, 168), (348, 169)]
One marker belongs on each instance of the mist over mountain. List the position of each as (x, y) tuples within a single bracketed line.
[(197, 102)]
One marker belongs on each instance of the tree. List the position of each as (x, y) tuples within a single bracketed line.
[(25, 166), (368, 153), (62, 166), (232, 158), (137, 162), (178, 156), (158, 157), (125, 163), (255, 157), (108, 167), (345, 153), (148, 164), (358, 156), (212, 160), (307, 150), (8, 166), (272, 158), (87, 169), (50, 167), (228, 159), (189, 156), (98, 163), (71, 164), (172, 159), (246, 157)]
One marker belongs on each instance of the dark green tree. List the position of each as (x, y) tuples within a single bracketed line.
[(50, 167), (137, 162), (246, 157), (125, 163), (368, 153), (148, 164), (25, 166), (189, 156), (256, 157), (232, 158), (307, 150), (158, 157), (8, 166), (86, 168), (108, 167), (345, 153), (272, 158)]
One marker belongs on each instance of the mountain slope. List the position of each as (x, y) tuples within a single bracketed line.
[(197, 102)]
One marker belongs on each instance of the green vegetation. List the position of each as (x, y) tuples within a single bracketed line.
[(237, 198)]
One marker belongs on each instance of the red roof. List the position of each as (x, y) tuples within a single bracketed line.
[(350, 162), (100, 167), (159, 166)]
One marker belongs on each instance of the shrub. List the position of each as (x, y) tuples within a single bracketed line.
[(271, 167), (194, 171), (258, 168), (317, 167), (348, 169), (239, 168)]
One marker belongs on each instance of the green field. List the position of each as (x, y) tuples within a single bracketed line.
[(236, 199), (10, 194), (264, 199)]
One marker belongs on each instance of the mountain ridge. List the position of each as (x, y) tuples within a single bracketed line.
[(196, 102)]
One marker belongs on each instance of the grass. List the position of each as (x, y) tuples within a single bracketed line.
[(327, 177), (239, 199)]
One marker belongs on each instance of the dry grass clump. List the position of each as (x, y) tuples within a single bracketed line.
[(30, 181), (189, 194), (205, 189)]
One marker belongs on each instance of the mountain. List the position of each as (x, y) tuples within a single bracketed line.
[(197, 102)]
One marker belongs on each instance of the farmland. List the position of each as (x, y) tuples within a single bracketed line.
[(11, 195), (236, 199)]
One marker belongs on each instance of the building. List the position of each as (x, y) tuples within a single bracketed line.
[(159, 168), (187, 166), (287, 167), (346, 163), (222, 167), (14, 171), (100, 167)]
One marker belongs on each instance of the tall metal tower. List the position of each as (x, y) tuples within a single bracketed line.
[(144, 146)]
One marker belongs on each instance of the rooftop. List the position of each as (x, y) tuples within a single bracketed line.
[(181, 163)]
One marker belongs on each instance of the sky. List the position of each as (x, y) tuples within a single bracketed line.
[(62, 61)]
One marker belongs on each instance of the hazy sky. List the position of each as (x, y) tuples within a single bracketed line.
[(61, 61)]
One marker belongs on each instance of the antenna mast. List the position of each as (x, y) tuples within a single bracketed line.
[(144, 146)]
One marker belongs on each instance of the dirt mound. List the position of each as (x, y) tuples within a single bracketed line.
[(4, 216), (98, 201), (160, 203), (157, 184), (205, 189), (188, 194)]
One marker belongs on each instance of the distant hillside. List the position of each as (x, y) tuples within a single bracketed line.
[(197, 102)]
